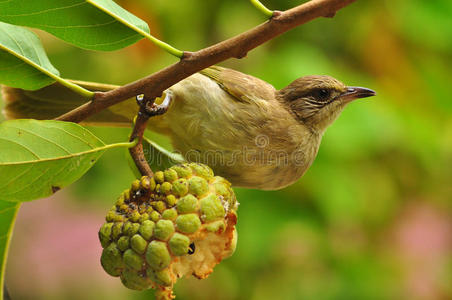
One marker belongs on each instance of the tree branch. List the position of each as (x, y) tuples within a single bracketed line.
[(191, 62)]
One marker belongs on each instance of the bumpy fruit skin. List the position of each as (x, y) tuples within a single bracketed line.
[(179, 222)]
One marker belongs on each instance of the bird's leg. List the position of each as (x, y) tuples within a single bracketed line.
[(152, 109), (148, 109)]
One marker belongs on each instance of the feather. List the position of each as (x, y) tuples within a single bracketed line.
[(243, 87)]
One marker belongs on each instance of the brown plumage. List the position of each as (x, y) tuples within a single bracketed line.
[(245, 129)]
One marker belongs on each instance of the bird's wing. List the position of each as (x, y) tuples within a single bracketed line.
[(243, 87)]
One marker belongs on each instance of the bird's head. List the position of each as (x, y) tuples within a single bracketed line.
[(317, 101)]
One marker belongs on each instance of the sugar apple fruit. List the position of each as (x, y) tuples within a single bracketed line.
[(179, 222)]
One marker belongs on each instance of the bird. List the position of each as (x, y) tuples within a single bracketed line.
[(247, 131)]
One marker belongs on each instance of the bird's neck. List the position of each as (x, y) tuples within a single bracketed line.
[(319, 122), (307, 147)]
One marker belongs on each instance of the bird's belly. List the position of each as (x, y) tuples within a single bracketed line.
[(259, 176), (251, 167)]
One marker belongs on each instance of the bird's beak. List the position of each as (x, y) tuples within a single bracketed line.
[(355, 92)]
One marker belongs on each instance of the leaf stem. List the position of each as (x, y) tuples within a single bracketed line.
[(131, 144), (123, 144), (167, 47), (262, 8), (72, 86)]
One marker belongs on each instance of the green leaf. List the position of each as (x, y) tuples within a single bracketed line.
[(90, 24), (157, 157), (23, 61), (8, 212), (37, 158)]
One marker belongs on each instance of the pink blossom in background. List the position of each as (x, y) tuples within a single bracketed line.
[(55, 251)]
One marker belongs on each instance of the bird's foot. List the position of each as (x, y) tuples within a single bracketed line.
[(152, 109)]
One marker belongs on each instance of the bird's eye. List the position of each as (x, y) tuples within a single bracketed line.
[(191, 249), (322, 94)]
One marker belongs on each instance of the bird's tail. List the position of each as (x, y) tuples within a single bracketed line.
[(55, 100)]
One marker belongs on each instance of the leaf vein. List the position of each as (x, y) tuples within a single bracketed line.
[(6, 209), (23, 146), (61, 169), (44, 138), (20, 175), (76, 26), (13, 66), (29, 183), (14, 40), (46, 10), (99, 149), (77, 137)]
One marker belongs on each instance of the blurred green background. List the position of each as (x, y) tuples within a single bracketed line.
[(371, 219)]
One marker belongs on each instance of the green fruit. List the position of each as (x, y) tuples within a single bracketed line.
[(111, 260), (197, 186), (187, 204), (202, 170), (217, 226), (180, 187), (163, 218), (159, 177), (169, 214), (133, 260), (155, 216), (211, 208), (163, 229), (147, 229), (116, 230), (183, 170), (105, 234), (188, 223), (123, 243), (171, 200), (135, 280), (165, 188), (170, 175), (179, 244), (138, 243), (162, 277), (157, 255)]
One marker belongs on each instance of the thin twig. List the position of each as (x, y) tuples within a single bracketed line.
[(137, 151), (153, 85)]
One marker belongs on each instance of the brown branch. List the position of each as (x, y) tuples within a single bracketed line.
[(137, 151), (153, 85)]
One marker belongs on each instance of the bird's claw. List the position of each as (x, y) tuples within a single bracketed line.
[(152, 109), (156, 109)]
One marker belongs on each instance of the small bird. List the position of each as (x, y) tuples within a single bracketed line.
[(241, 126)]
